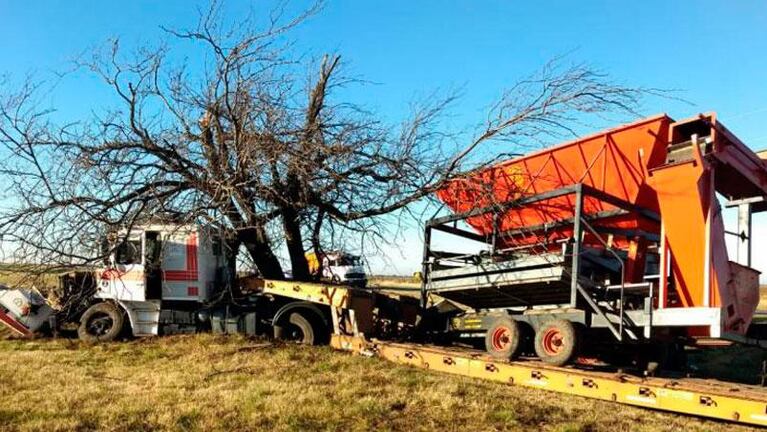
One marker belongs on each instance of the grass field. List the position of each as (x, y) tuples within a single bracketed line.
[(20, 275), (206, 382)]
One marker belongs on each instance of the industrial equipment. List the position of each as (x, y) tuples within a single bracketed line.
[(618, 235)]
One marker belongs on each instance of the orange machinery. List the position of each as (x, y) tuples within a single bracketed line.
[(648, 193)]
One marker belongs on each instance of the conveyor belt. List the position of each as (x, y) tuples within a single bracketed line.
[(705, 398)]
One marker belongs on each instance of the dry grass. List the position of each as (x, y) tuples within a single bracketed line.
[(206, 382), (394, 281), (15, 275)]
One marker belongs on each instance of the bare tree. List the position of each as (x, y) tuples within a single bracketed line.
[(242, 139)]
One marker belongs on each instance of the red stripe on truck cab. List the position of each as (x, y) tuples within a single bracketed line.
[(190, 274)]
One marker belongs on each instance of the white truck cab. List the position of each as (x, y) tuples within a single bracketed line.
[(157, 263), (163, 262), (161, 279), (339, 267)]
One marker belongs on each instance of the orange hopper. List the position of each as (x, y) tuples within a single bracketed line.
[(672, 169)]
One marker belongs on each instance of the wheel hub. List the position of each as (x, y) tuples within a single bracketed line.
[(100, 325), (501, 338), (553, 341), (295, 334)]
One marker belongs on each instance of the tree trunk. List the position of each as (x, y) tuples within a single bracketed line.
[(231, 248), (295, 243), (257, 244)]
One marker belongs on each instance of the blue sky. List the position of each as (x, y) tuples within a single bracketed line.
[(715, 53)]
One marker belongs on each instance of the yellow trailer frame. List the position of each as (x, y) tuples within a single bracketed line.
[(335, 296), (705, 398), (720, 400)]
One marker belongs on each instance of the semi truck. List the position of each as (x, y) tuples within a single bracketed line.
[(169, 278), (611, 243)]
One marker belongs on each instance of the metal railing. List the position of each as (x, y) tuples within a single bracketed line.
[(623, 277)]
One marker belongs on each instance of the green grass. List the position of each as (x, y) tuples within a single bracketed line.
[(208, 382)]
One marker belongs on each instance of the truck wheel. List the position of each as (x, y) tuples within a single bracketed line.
[(556, 342), (102, 322), (502, 340), (298, 328)]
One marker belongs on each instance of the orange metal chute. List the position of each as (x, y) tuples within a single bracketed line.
[(684, 192), (694, 231)]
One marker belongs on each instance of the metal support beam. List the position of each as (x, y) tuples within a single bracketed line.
[(617, 202), (461, 233), (576, 266), (497, 208), (425, 266), (743, 254)]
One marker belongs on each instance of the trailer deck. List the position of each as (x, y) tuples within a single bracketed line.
[(739, 403)]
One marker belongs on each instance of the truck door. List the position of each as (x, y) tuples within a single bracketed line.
[(125, 280), (153, 265)]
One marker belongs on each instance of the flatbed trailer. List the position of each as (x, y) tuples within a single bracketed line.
[(734, 402), (738, 403)]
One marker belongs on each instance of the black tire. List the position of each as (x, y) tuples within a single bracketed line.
[(299, 328), (503, 338), (557, 342), (102, 322)]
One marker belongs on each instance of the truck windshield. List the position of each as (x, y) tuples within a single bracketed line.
[(346, 261), (129, 252)]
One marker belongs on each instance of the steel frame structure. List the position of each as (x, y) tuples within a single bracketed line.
[(580, 222)]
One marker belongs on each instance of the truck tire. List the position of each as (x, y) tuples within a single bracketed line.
[(503, 338), (102, 322), (298, 328), (557, 342)]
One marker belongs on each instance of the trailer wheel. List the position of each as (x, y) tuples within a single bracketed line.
[(502, 340), (102, 322), (298, 328), (556, 342)]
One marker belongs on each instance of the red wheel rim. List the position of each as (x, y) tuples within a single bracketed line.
[(553, 341), (501, 338)]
